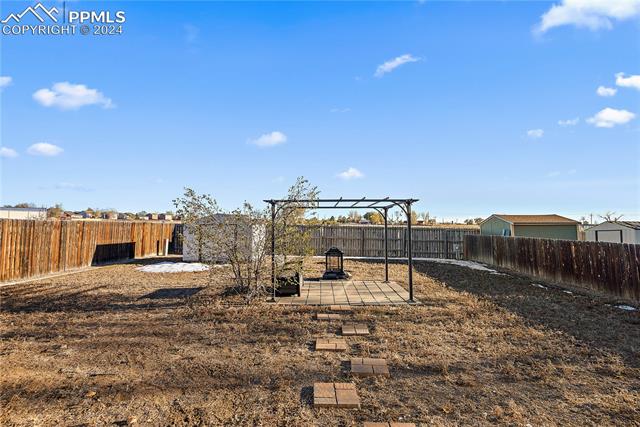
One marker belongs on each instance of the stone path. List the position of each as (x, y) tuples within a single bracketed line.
[(366, 366), (341, 308), (345, 395), (328, 316), (392, 424), (335, 395), (355, 329), (331, 344)]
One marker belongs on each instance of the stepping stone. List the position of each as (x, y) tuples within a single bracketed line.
[(335, 395), (365, 367), (328, 316), (341, 308), (392, 424), (355, 329), (331, 344)]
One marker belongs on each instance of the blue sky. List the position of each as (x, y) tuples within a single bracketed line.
[(238, 99)]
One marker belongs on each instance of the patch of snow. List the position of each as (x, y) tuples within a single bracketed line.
[(174, 267), (539, 285), (462, 263), (626, 307), (568, 292)]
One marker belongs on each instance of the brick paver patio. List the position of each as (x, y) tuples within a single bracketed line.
[(366, 366), (335, 395), (355, 329), (331, 344), (347, 293)]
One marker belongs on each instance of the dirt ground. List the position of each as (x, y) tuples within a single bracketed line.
[(116, 346)]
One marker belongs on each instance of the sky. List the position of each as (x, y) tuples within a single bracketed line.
[(472, 107)]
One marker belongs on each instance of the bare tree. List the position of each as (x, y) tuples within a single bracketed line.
[(354, 216), (240, 237), (237, 237), (292, 239), (610, 216)]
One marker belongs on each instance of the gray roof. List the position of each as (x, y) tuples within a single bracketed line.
[(631, 224)]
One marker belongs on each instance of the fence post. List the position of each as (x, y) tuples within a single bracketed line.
[(446, 244)]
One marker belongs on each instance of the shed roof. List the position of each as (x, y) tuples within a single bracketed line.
[(635, 225), (550, 219)]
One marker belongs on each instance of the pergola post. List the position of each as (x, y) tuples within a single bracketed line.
[(273, 252), (386, 247), (410, 252)]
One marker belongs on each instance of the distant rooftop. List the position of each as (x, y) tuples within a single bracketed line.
[(535, 219)]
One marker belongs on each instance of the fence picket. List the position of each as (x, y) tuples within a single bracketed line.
[(613, 268)]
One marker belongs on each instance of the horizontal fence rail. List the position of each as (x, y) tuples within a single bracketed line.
[(368, 240), (612, 268), (30, 248)]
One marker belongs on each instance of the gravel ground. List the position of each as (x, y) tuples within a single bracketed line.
[(115, 345)]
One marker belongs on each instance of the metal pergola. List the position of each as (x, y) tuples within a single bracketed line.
[(382, 206)]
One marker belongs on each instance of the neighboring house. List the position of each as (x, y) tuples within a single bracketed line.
[(71, 215), (615, 232), (23, 213), (539, 226), (86, 214), (109, 215), (165, 217), (152, 216)]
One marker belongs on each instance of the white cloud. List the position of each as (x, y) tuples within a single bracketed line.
[(269, 139), (191, 33), (340, 110), (68, 96), (394, 63), (591, 14), (5, 81), (8, 152), (351, 173), (569, 122), (535, 133), (44, 149), (610, 117), (606, 91), (631, 81)]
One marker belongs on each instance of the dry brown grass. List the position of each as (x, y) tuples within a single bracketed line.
[(482, 349)]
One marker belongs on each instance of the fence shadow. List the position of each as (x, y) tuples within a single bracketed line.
[(584, 317), (172, 293), (110, 252)]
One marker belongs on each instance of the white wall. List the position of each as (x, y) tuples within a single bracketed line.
[(610, 232), (194, 250), (23, 213)]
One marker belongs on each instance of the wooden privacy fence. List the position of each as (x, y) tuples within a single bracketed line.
[(368, 240), (613, 268), (30, 248)]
